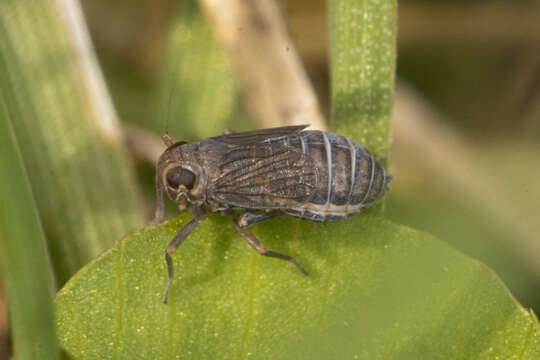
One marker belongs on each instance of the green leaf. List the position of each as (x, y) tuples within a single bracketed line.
[(69, 138), (376, 290), (23, 255)]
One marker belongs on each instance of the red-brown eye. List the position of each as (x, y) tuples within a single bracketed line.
[(179, 176)]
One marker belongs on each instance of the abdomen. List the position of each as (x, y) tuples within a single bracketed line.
[(350, 178)]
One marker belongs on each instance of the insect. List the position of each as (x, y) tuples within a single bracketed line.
[(312, 175)]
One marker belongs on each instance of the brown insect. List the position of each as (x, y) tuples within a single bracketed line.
[(312, 175)]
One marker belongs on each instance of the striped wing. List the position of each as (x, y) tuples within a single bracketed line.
[(251, 137), (266, 175)]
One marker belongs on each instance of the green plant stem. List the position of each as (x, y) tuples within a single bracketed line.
[(363, 58)]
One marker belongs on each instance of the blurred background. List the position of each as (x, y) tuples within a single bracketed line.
[(466, 121)]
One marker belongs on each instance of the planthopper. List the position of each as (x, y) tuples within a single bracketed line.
[(257, 175)]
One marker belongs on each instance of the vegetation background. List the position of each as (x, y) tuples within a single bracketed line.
[(465, 137), (466, 120)]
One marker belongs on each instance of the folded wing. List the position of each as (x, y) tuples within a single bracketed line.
[(265, 175), (251, 137)]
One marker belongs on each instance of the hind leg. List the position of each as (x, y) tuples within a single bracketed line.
[(246, 220)]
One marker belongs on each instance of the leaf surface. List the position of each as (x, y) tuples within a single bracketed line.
[(376, 290)]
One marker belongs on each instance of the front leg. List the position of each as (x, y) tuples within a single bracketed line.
[(199, 217), (246, 220), (160, 205)]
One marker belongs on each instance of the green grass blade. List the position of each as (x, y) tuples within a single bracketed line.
[(69, 140), (23, 255), (376, 290), (196, 97), (199, 77), (363, 58)]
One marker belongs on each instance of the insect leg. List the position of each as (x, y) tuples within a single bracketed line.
[(227, 212), (200, 216), (160, 207), (246, 220)]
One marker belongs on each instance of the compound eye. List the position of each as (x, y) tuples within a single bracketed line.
[(179, 176)]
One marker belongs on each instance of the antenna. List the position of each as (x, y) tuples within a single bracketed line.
[(166, 110)]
